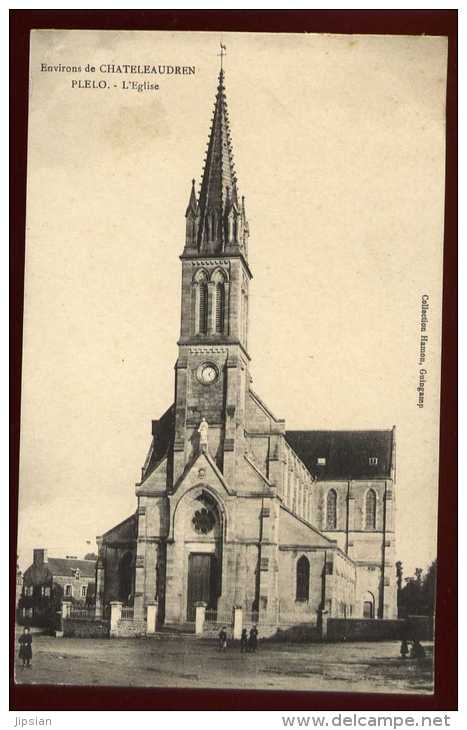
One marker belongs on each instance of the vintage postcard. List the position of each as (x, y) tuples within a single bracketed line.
[(231, 360)]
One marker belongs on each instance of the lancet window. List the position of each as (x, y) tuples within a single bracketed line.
[(220, 297), (370, 510), (200, 302), (331, 510), (303, 579)]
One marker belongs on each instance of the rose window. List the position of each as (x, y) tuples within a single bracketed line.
[(203, 521)]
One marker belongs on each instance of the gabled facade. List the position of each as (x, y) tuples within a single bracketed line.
[(231, 508)]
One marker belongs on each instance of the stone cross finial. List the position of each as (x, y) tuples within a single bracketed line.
[(222, 53)]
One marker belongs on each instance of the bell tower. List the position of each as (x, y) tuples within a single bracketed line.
[(212, 366)]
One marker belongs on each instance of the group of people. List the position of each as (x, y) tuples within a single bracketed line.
[(416, 651), (248, 642)]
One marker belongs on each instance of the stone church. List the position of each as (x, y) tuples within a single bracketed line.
[(232, 508)]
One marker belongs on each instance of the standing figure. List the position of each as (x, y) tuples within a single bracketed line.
[(203, 431), (222, 639), (417, 652), (404, 648), (25, 647), (244, 641), (253, 640)]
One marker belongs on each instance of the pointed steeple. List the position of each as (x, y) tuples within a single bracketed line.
[(220, 221), (192, 203), (192, 219)]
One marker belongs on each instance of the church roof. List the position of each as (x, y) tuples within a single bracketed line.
[(163, 432), (344, 454)]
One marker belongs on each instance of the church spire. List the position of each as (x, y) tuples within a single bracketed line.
[(220, 221), (192, 204), (192, 219)]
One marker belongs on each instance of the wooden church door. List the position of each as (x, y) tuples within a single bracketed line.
[(201, 582)]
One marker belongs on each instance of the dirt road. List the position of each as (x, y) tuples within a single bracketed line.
[(358, 667)]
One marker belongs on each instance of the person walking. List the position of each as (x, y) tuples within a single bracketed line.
[(25, 647), (223, 639), (253, 639), (244, 641)]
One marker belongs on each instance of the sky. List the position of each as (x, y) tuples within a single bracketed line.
[(339, 149)]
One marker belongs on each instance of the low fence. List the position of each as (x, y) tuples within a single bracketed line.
[(124, 624), (355, 629), (214, 621), (80, 622), (219, 619), (83, 614), (117, 621)]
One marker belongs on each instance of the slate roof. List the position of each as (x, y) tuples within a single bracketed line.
[(68, 566), (163, 432), (347, 453), (125, 532)]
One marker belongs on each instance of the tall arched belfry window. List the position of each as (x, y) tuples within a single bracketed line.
[(303, 579), (219, 307), (331, 510), (370, 510), (203, 308)]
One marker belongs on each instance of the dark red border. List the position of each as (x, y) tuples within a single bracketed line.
[(409, 22)]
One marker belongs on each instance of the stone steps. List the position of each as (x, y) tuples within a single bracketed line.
[(176, 630), (174, 636)]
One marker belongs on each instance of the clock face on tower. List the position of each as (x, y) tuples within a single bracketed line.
[(207, 373)]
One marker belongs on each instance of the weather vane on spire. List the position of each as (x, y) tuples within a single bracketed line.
[(222, 53)]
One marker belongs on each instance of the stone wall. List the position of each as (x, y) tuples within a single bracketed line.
[(86, 628), (365, 546), (81, 589), (419, 627), (297, 634), (293, 612), (129, 629)]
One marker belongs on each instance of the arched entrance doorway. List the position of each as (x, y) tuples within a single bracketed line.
[(194, 571), (203, 523)]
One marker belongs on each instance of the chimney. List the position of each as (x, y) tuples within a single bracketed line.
[(39, 556)]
